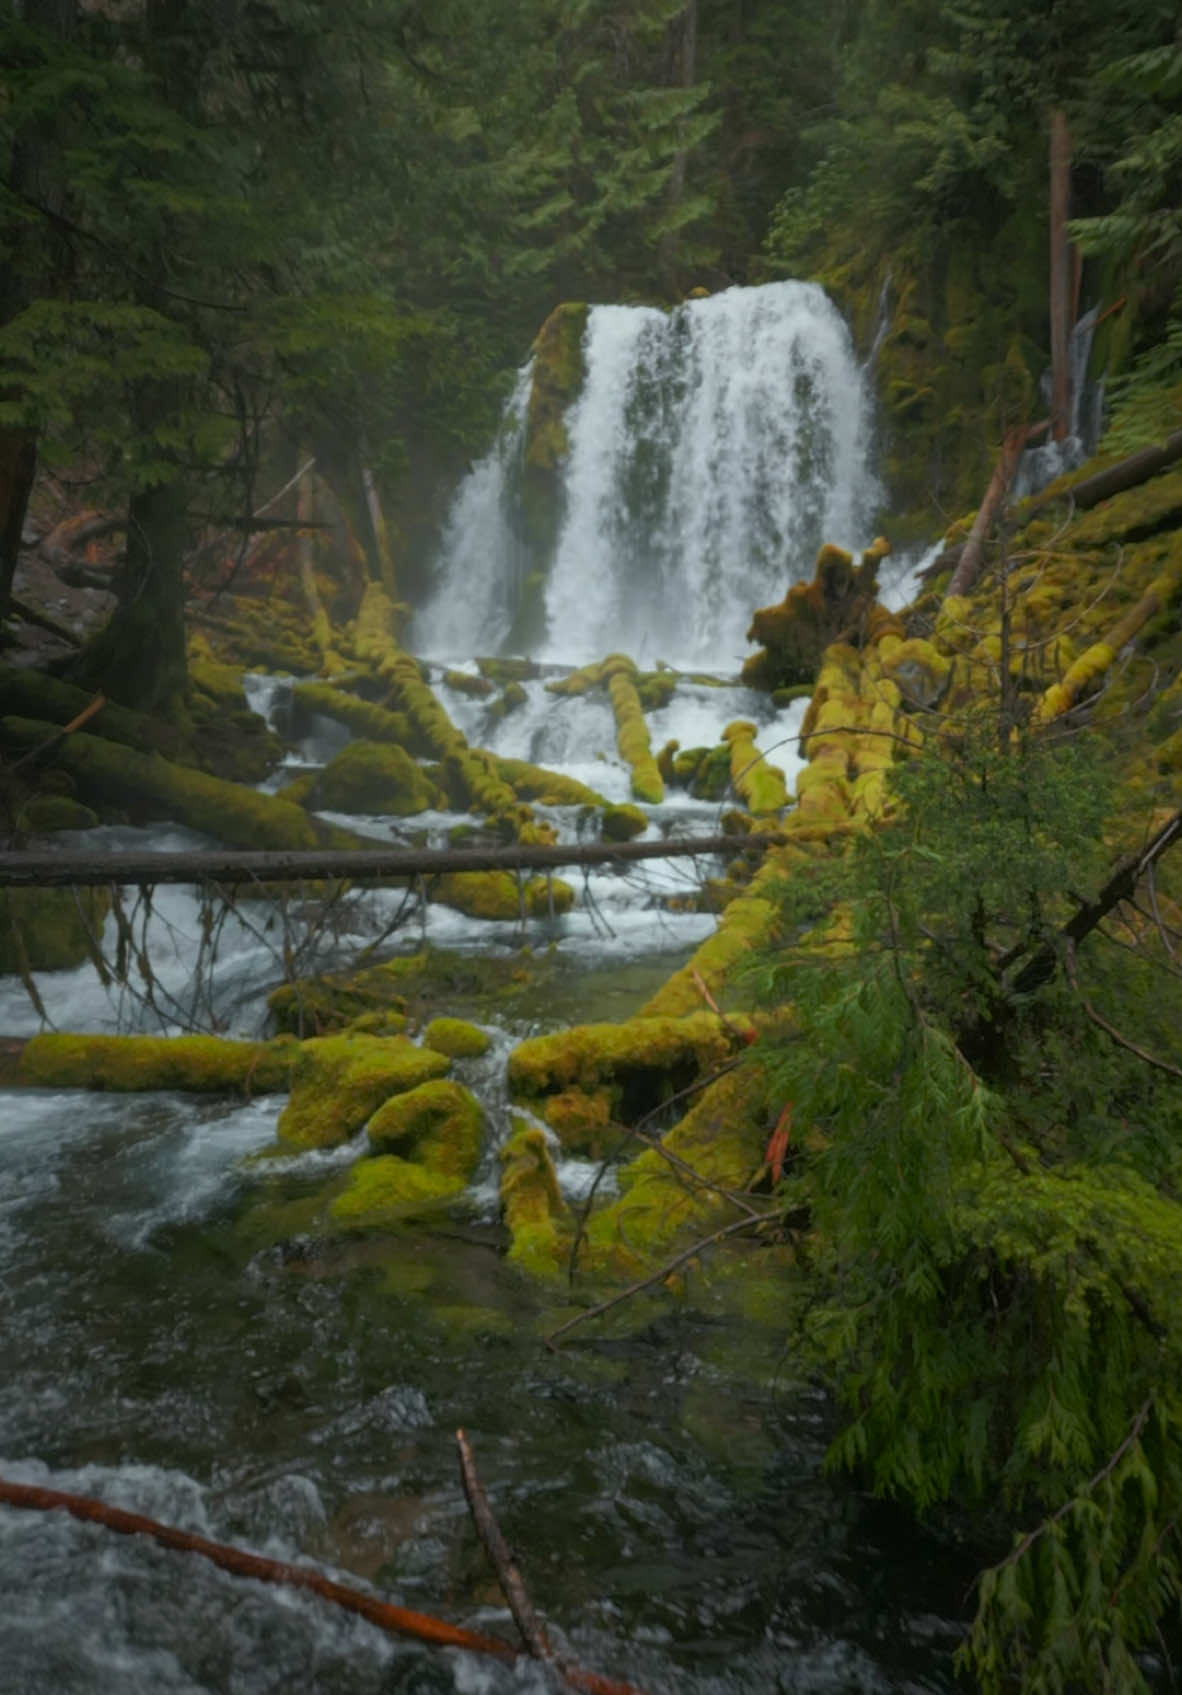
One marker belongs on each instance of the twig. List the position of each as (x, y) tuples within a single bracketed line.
[(533, 1632), (88, 712), (1110, 1030), (658, 1276)]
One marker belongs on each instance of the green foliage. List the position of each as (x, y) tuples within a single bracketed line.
[(996, 1250)]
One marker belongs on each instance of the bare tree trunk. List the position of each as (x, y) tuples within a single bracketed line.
[(1062, 282), (685, 62)]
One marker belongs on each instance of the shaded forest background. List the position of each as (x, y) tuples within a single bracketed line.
[(233, 236)]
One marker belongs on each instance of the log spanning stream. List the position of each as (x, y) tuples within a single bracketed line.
[(176, 1341)]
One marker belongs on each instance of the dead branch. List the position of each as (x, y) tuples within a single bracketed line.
[(972, 557), (59, 870), (670, 1266), (533, 1632)]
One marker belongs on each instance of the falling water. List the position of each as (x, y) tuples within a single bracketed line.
[(712, 449)]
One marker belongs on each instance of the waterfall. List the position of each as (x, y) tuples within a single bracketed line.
[(711, 450)]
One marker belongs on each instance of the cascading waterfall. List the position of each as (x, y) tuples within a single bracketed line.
[(710, 452)]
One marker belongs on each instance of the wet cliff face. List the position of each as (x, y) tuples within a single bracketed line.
[(657, 478)]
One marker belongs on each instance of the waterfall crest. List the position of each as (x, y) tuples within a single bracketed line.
[(709, 453)]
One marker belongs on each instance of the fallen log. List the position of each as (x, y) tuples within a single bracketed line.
[(1127, 473), (973, 554), (399, 1621), (60, 870)]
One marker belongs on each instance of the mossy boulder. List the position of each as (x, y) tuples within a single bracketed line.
[(197, 1064), (920, 671), (622, 823), (534, 1209), (440, 1124), (387, 1191), (374, 777), (340, 1081), (456, 1038), (496, 895)]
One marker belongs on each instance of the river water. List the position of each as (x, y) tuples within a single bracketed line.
[(173, 1340)]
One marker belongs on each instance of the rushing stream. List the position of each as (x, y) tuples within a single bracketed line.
[(177, 1341)]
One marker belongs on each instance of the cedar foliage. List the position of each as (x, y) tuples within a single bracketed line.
[(995, 1258)]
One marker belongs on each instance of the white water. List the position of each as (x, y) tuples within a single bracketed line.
[(712, 450)]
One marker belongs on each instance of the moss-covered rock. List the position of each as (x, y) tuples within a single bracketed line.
[(198, 1064), (386, 1191), (643, 1059), (622, 823), (50, 929), (374, 777), (584, 1121), (340, 1081), (456, 1038), (532, 1201), (439, 1124), (497, 895)]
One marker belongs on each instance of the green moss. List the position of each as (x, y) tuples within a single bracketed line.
[(632, 738), (621, 823), (712, 775), (319, 1006), (363, 717), (551, 788), (496, 895), (387, 1190), (511, 699), (199, 1064), (50, 929), (646, 1056), (758, 783), (463, 682), (657, 689), (584, 1120), (374, 777), (340, 1081), (440, 1124), (456, 1038), (535, 1212), (41, 815), (506, 671)]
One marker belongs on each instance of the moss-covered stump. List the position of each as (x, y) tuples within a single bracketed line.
[(374, 777), (153, 787), (50, 929), (632, 738), (534, 1209), (456, 1038), (759, 784), (340, 1081), (641, 1062), (386, 1191), (364, 717), (439, 1124), (722, 1138), (794, 634), (196, 1064)]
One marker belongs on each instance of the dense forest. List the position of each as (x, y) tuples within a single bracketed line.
[(237, 239)]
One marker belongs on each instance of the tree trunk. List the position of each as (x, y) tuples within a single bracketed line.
[(1062, 289)]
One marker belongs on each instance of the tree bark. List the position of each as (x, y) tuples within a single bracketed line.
[(59, 870), (1062, 281), (972, 555)]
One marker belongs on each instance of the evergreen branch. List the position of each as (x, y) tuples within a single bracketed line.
[(1106, 1471), (1110, 1030)]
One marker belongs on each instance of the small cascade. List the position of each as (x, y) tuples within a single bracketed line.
[(1041, 465), (710, 452)]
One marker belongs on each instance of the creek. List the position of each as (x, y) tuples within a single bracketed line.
[(175, 1341)]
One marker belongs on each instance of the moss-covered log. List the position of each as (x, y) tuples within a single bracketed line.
[(197, 1064), (632, 738)]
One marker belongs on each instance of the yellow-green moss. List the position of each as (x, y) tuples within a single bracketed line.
[(632, 738), (759, 784), (722, 1137), (456, 1038), (465, 682), (198, 1064), (363, 717), (340, 1081), (496, 894), (919, 670), (584, 1120), (551, 788), (440, 1124), (622, 823), (588, 1055), (386, 1190), (374, 777), (532, 1201)]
